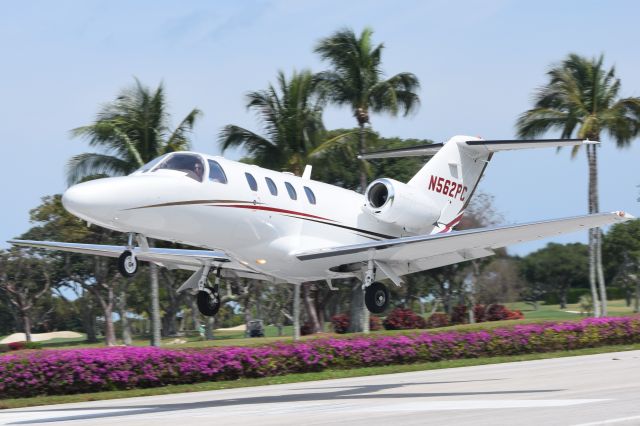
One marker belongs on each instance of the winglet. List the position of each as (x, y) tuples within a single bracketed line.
[(623, 215)]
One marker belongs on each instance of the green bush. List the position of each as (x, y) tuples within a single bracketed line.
[(574, 294)]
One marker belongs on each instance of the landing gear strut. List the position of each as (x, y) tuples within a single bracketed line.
[(209, 301), (376, 295), (127, 262)]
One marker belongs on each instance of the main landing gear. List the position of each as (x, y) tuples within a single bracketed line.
[(376, 294), (376, 298), (207, 297), (209, 300)]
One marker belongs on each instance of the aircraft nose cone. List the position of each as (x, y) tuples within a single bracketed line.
[(88, 200), (73, 199)]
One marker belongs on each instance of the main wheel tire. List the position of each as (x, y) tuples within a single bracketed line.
[(376, 297), (208, 302), (127, 264)]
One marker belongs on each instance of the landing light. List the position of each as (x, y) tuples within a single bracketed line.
[(261, 261)]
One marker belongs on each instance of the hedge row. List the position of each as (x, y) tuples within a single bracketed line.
[(53, 372), (574, 294)]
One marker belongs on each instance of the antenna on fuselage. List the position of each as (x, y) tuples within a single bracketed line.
[(307, 172)]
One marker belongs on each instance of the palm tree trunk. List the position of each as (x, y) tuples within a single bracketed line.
[(359, 315), (109, 329), (210, 324), (310, 306), (124, 321), (356, 323), (600, 274), (363, 149), (155, 305), (592, 236), (195, 317), (296, 312), (598, 236), (26, 321)]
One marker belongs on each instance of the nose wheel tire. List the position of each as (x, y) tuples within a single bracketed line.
[(376, 298), (127, 264), (208, 302)]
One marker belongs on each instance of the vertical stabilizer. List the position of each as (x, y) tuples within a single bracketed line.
[(450, 178)]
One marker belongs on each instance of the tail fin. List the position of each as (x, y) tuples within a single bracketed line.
[(452, 175), (450, 178)]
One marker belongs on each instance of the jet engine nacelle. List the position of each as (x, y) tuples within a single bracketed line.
[(399, 204)]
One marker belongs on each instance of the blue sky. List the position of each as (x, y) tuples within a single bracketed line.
[(478, 61)]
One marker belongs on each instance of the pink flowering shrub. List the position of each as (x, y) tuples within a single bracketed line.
[(52, 372), (495, 312), (374, 323), (459, 315), (403, 319), (437, 319), (341, 323)]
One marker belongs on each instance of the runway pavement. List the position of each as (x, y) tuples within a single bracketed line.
[(588, 390)]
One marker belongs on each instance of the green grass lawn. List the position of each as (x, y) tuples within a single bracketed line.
[(553, 312), (237, 338)]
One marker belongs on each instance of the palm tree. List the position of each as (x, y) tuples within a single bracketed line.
[(131, 131), (356, 80), (581, 98), (291, 117)]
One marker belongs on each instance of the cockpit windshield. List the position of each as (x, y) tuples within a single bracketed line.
[(151, 164), (190, 164)]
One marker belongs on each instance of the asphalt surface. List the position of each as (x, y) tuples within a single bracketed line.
[(586, 390)]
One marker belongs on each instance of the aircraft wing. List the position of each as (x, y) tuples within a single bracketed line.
[(404, 255), (170, 258)]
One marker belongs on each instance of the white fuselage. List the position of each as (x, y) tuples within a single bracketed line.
[(255, 228)]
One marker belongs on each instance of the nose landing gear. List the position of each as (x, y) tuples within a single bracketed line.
[(127, 264)]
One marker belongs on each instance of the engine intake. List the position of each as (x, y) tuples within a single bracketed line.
[(379, 193), (399, 204)]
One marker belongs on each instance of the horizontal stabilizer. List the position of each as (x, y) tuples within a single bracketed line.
[(483, 145)]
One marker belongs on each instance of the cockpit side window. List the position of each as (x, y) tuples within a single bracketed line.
[(216, 173), (188, 163)]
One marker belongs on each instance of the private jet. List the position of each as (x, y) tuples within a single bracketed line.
[(245, 221)]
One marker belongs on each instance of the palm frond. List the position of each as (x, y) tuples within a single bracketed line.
[(134, 127), (537, 121), (331, 143), (89, 164), (178, 140)]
